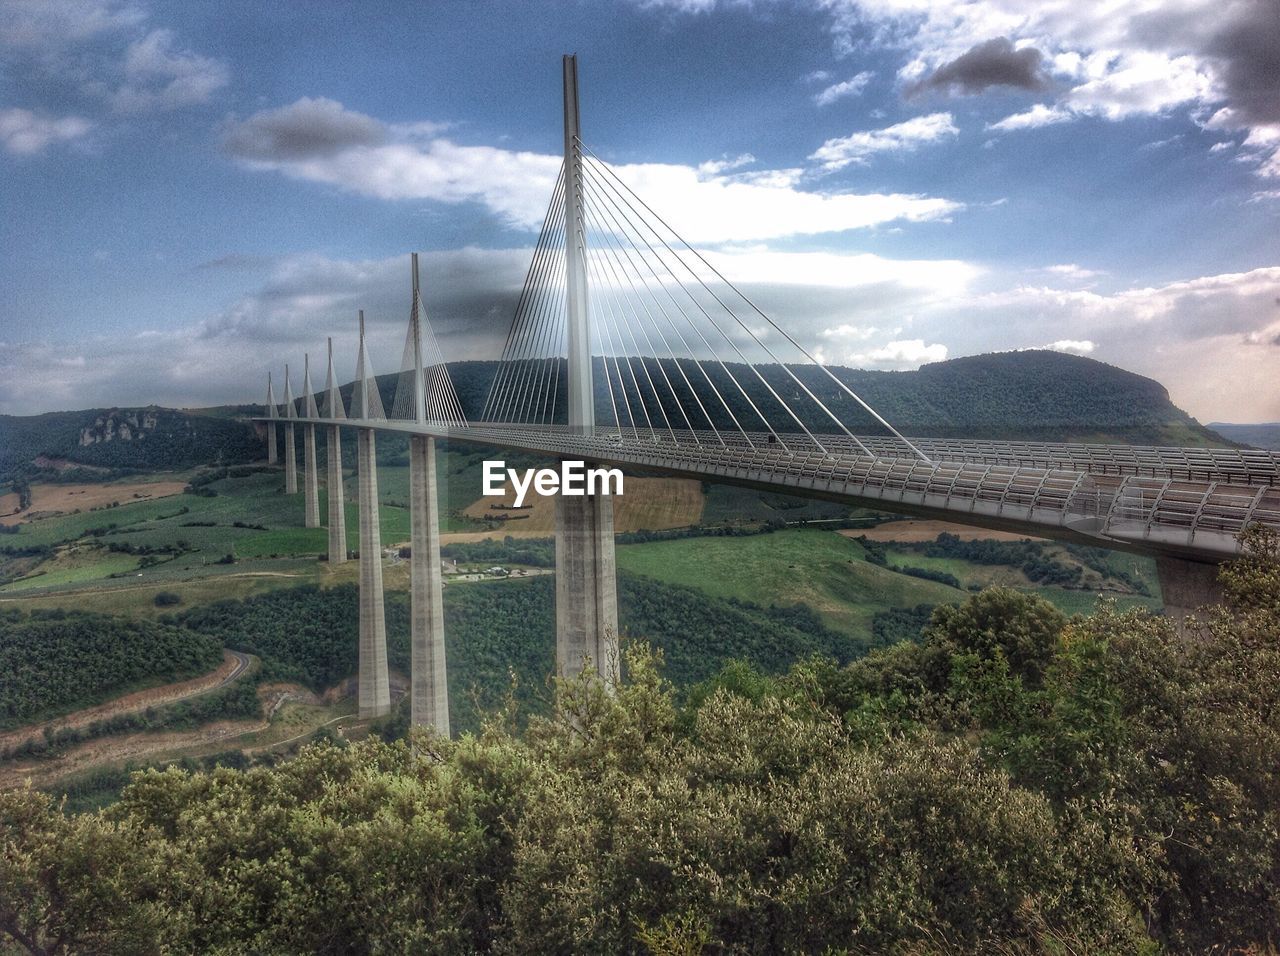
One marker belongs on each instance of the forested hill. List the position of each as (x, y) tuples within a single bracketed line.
[(1016, 395), (79, 444), (1040, 395)]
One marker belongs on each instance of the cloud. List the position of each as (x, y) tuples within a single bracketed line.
[(25, 133), (1073, 346), (159, 77), (900, 138), (1039, 115), (850, 87), (715, 167), (992, 63), (470, 296), (1248, 48), (319, 140), (903, 354), (1112, 60), (1070, 270), (306, 129), (69, 49), (1196, 336), (40, 24)]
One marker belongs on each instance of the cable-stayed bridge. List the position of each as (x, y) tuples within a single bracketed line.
[(630, 347)]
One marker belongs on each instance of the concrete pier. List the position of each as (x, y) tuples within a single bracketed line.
[(337, 501), (1187, 585), (586, 587), (272, 454), (429, 686), (290, 462), (311, 481), (375, 689)]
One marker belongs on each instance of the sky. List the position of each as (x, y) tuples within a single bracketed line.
[(192, 194)]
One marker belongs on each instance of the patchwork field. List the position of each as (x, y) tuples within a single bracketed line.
[(651, 504), (920, 530), (49, 499)]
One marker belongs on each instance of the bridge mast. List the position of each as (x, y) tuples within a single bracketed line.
[(586, 577), (582, 416)]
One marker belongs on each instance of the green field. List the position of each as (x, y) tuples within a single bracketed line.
[(822, 569)]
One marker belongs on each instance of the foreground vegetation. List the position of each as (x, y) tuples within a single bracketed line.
[(1014, 782)]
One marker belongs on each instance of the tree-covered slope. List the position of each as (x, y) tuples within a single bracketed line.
[(1041, 395), (1014, 395), (148, 439), (55, 663)]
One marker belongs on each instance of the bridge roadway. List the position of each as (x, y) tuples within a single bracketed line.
[(1176, 502)]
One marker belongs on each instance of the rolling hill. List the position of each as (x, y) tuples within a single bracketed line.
[(1015, 395), (1262, 435)]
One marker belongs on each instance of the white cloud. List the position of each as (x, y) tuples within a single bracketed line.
[(838, 91), (1073, 346), (320, 141), (903, 354), (902, 137), (1111, 60), (1039, 115), (1265, 195), (1070, 270), (104, 49), (41, 24), (25, 133), (158, 76), (715, 167)]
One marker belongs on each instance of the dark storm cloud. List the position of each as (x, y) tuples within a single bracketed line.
[(1250, 52), (307, 129), (993, 63)]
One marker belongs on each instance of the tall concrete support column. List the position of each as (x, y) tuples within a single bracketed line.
[(290, 462), (375, 688), (311, 478), (337, 504), (429, 687), (1187, 585), (586, 587), (272, 453)]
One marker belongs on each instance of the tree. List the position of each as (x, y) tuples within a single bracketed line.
[(72, 884)]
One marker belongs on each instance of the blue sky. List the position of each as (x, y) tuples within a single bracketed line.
[(193, 192)]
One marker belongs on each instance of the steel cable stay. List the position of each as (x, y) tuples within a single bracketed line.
[(764, 419), (546, 315), (630, 327), (555, 211), (709, 348), (531, 314), (609, 318), (534, 320), (803, 351), (732, 344), (614, 253)]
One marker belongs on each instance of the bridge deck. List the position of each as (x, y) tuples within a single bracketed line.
[(1183, 501)]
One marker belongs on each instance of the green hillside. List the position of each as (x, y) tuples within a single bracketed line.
[(79, 445), (1036, 394), (1014, 395)]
